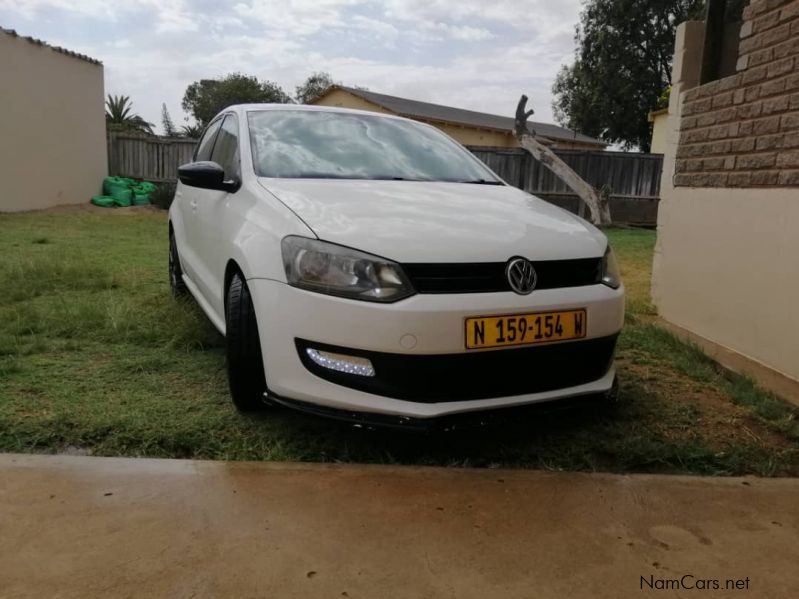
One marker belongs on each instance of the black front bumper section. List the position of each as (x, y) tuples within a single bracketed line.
[(465, 420)]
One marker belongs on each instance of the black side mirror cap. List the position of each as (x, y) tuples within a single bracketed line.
[(206, 175)]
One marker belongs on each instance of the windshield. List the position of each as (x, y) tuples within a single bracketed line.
[(338, 145)]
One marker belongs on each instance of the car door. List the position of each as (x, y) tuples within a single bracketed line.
[(216, 219), (188, 199)]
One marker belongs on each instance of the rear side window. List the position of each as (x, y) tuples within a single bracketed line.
[(226, 148), (207, 142)]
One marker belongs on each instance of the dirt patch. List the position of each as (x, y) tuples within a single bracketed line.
[(709, 413), (89, 208)]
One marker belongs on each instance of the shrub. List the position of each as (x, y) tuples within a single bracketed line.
[(163, 195)]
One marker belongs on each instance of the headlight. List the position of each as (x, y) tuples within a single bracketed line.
[(335, 270), (611, 276)]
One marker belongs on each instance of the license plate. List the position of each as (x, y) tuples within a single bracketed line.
[(525, 329)]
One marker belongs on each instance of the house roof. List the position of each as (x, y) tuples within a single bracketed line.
[(58, 49), (449, 114)]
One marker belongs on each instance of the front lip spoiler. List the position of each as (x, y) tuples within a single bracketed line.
[(357, 419), (464, 420)]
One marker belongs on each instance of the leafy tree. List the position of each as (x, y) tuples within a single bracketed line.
[(313, 87), (204, 99), (663, 99), (622, 65), (119, 115), (166, 121)]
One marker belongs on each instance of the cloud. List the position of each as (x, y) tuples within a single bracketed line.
[(170, 16), (540, 16), (296, 17), (442, 31), (375, 28), (173, 16), (474, 54), (90, 8)]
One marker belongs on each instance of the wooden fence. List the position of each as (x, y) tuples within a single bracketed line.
[(147, 157), (633, 180)]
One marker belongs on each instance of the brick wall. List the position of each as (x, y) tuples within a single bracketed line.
[(743, 131)]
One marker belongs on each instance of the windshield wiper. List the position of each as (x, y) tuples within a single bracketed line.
[(390, 178), (482, 182)]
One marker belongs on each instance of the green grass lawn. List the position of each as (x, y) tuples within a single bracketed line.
[(96, 356)]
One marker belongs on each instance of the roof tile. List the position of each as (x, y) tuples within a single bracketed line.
[(58, 49)]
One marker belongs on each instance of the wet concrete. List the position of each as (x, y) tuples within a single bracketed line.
[(101, 527)]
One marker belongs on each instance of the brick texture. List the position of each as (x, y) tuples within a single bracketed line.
[(743, 131)]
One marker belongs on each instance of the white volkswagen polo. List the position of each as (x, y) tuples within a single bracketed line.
[(369, 267)]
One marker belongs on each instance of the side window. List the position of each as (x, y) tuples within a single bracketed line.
[(207, 142), (226, 149)]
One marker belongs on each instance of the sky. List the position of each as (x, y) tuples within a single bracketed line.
[(475, 54)]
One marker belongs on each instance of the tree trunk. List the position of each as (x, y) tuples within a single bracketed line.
[(600, 211)]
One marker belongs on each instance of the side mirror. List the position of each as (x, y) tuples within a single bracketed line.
[(206, 175)]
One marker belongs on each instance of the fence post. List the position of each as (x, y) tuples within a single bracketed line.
[(524, 165)]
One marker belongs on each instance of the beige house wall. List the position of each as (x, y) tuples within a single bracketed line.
[(464, 134), (52, 127), (728, 270), (576, 145), (468, 136), (726, 263), (340, 98), (659, 122), (471, 136)]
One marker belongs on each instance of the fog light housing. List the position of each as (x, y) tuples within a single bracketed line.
[(341, 362)]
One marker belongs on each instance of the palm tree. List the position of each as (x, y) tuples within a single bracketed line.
[(191, 131), (118, 115)]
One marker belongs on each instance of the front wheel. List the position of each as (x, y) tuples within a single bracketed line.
[(245, 366), (175, 272)]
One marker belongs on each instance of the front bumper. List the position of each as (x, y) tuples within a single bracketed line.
[(473, 375), (426, 331)]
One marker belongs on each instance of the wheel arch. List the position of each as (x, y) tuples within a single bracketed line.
[(175, 225), (231, 268)]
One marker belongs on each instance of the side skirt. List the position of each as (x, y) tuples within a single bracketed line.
[(206, 307)]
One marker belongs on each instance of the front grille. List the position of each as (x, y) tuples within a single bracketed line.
[(487, 277), (469, 376)]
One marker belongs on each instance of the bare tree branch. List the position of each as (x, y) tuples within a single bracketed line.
[(598, 206)]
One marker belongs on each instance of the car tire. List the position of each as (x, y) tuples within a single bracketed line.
[(611, 396), (245, 366), (176, 282)]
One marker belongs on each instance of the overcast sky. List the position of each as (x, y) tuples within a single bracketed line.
[(476, 54)]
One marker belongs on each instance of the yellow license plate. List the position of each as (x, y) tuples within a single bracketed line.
[(525, 329)]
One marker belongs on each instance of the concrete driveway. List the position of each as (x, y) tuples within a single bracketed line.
[(112, 527)]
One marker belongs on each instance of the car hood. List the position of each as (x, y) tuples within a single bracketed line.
[(415, 221)]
